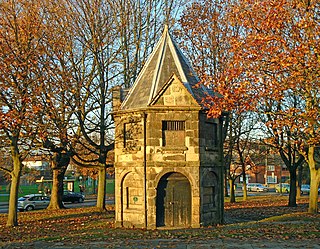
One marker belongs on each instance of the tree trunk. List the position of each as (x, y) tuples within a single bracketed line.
[(101, 197), (314, 182), (232, 192), (299, 181), (244, 180), (57, 190), (293, 187), (245, 191), (14, 187), (292, 165), (226, 194), (94, 182)]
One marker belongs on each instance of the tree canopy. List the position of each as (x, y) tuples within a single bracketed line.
[(270, 66)]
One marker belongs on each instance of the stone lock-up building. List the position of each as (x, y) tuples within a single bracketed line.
[(168, 154)]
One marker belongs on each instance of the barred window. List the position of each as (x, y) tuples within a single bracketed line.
[(173, 125), (173, 133)]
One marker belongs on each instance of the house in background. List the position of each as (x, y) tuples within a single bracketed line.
[(268, 170), (168, 155), (270, 175)]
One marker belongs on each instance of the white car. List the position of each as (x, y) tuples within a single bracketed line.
[(256, 187), (32, 202)]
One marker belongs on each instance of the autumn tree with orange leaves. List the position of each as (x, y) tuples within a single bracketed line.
[(21, 36), (205, 37), (281, 62), (36, 89), (274, 58)]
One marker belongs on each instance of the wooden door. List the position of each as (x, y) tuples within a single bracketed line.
[(174, 201)]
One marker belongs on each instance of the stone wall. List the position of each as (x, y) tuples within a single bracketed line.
[(140, 163)]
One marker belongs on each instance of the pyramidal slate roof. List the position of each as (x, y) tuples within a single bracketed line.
[(165, 60)]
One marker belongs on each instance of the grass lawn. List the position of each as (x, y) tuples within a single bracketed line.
[(257, 218), (23, 190)]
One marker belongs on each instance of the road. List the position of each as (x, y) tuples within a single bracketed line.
[(90, 202)]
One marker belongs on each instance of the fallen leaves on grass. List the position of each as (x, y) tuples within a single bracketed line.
[(267, 219), (259, 208), (45, 224)]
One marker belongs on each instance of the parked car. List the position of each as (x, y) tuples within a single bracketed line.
[(33, 201), (285, 187), (256, 187), (305, 189), (69, 196)]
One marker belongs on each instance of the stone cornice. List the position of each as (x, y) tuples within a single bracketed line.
[(156, 109)]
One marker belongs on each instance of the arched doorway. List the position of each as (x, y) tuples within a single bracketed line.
[(173, 201)]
